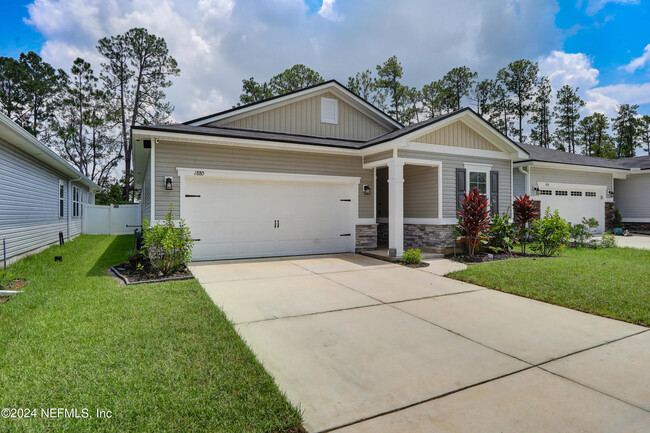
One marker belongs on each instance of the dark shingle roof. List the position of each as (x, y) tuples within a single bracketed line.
[(543, 154)]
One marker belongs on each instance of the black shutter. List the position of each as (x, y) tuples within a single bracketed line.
[(494, 192), (460, 186)]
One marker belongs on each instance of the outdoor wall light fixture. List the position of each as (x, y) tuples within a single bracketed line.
[(169, 183), (366, 190), (611, 193), (536, 189)]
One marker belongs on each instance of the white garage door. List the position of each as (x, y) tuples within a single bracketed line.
[(575, 202), (242, 218)]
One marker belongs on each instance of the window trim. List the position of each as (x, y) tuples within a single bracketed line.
[(76, 201), (61, 197), (335, 104), (478, 168)]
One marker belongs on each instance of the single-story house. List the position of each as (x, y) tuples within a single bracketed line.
[(321, 170), (41, 195), (580, 186)]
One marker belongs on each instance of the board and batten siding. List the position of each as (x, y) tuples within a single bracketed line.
[(457, 134), (29, 203), (146, 191), (304, 117), (420, 191), (632, 197), (449, 165), (578, 177), (173, 155)]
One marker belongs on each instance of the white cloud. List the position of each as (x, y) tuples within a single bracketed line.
[(327, 11), (638, 62), (593, 6), (219, 42), (626, 93), (574, 69)]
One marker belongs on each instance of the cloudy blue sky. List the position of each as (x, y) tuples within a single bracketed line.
[(602, 46)]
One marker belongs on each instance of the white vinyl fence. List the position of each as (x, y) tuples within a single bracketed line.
[(117, 219)]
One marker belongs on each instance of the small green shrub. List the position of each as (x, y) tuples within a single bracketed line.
[(617, 220), (168, 248), (608, 240), (503, 233), (412, 256), (581, 233), (549, 233)]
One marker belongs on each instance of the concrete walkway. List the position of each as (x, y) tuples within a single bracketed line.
[(641, 242), (362, 345)]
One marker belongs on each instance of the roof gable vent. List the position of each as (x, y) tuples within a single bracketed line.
[(329, 110)]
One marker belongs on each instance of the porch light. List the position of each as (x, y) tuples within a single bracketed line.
[(168, 183), (611, 193), (366, 190), (536, 189)]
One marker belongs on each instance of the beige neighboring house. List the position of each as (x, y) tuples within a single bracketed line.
[(319, 170)]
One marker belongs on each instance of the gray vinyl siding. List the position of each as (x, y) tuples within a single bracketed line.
[(556, 175), (304, 117), (449, 165), (29, 203), (518, 182), (632, 196), (420, 191), (173, 155), (378, 156), (146, 191)]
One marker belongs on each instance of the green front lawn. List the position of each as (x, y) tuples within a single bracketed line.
[(611, 282), (160, 357)]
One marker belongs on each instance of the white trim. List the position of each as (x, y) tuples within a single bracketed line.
[(152, 174), (452, 150), (185, 137), (365, 221), (428, 221), (267, 175), (571, 186), (344, 94), (636, 220), (471, 167), (374, 194), (572, 167), (475, 166), (375, 164), (512, 191)]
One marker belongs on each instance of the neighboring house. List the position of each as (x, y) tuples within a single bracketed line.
[(582, 186), (316, 171), (41, 195)]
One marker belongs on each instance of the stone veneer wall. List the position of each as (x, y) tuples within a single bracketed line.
[(637, 227), (382, 234), (609, 215), (429, 236), (366, 237)]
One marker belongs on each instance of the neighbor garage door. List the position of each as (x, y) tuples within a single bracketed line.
[(575, 202), (261, 217)]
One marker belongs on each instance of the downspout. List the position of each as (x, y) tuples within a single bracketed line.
[(70, 201)]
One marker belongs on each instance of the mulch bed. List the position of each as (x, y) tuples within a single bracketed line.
[(129, 274), (484, 258), (414, 265)]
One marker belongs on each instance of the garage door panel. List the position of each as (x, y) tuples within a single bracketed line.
[(574, 208), (237, 218)]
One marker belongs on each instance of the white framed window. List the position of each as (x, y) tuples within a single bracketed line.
[(545, 192), (561, 192), (329, 110), (590, 194), (478, 176), (61, 199), (76, 202), (576, 193)]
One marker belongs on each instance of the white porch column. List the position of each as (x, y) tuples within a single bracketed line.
[(396, 207)]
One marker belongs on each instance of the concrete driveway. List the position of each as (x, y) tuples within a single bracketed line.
[(641, 242), (362, 345)]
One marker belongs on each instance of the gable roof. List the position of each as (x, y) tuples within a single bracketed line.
[(15, 135), (542, 154), (201, 121)]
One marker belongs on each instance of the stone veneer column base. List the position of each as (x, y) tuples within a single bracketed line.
[(382, 234), (440, 237), (637, 227), (366, 237), (609, 215)]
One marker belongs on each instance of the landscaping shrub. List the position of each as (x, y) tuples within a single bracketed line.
[(503, 233), (617, 221), (168, 248), (525, 212), (608, 240), (412, 256), (581, 233), (473, 220), (550, 233)]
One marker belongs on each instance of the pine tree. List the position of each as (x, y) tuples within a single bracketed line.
[(541, 114), (459, 81), (567, 115), (519, 79), (626, 128), (644, 132)]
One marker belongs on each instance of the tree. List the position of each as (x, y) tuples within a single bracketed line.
[(135, 74), (541, 114), (460, 81), (252, 91), (519, 79), (412, 105), (626, 130), (112, 193), (295, 78), (594, 138), (644, 132), (567, 114), (80, 125), (364, 85), (436, 98), (481, 96), (389, 85), (498, 109), (12, 93)]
